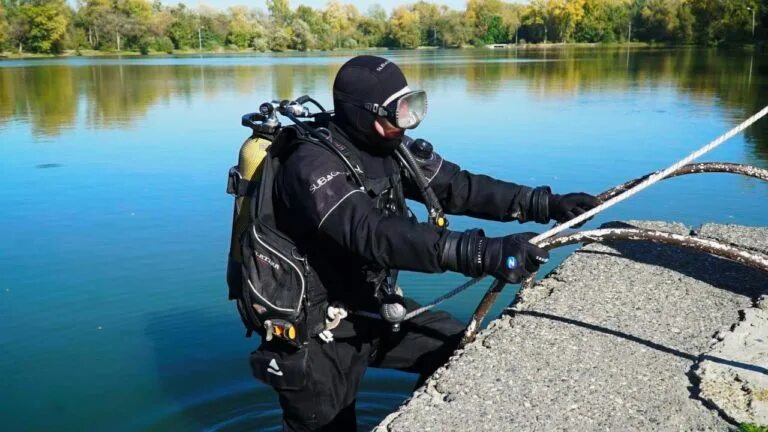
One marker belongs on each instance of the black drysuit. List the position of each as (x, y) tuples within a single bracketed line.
[(342, 231)]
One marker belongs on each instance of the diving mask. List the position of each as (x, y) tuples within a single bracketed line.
[(404, 109)]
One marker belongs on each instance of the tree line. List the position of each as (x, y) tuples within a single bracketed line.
[(52, 26)]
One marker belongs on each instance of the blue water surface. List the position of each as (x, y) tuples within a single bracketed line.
[(114, 222)]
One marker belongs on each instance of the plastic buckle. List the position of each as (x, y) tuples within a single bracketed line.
[(234, 180)]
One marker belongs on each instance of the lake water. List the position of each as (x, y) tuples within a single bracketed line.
[(114, 224)]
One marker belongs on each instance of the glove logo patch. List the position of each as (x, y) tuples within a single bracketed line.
[(511, 262)]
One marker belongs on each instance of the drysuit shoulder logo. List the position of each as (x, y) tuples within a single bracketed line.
[(267, 260), (382, 66), (322, 181)]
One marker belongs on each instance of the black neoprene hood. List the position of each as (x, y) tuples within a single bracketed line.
[(365, 79)]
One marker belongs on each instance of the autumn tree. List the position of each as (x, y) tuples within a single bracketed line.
[(243, 28), (183, 27), (279, 11), (454, 30), (341, 19), (405, 28), (485, 16), (372, 27), (3, 27), (317, 25), (666, 20), (46, 23), (429, 16), (723, 21), (604, 21)]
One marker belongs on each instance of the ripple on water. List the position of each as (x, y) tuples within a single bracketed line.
[(244, 408), (249, 409)]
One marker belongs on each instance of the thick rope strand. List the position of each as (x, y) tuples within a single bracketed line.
[(610, 203), (652, 179)]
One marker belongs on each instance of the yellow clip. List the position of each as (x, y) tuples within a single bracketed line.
[(291, 332), (441, 222)]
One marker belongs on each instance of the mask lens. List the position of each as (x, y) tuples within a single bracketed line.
[(411, 109)]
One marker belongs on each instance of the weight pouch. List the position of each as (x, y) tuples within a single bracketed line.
[(281, 370)]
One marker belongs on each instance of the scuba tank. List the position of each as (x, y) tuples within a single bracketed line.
[(242, 183), (248, 169)]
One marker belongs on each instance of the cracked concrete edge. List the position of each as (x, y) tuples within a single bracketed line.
[(739, 395), (524, 300)]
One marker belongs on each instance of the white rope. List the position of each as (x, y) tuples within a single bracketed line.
[(442, 298), (661, 175), (653, 178)]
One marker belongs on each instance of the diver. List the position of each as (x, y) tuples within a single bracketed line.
[(356, 238)]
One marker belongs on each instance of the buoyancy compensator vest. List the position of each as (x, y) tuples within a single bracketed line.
[(276, 291)]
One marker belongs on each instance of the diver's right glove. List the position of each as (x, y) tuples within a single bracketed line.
[(509, 258)]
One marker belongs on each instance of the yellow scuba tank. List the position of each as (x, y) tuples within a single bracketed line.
[(252, 153), (243, 185)]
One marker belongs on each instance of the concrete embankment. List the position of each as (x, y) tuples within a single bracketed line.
[(626, 336)]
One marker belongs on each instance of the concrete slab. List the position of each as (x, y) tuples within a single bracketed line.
[(609, 340)]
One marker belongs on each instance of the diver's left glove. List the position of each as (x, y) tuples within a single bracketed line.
[(563, 208)]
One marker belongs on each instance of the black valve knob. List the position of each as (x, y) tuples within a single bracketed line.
[(266, 109), (422, 149)]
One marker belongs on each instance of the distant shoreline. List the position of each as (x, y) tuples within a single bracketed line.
[(495, 47), (136, 53)]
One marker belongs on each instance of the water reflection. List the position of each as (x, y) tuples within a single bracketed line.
[(131, 156), (54, 96)]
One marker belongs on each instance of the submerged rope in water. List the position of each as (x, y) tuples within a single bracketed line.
[(654, 178)]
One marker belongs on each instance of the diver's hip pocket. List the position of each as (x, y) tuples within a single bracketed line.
[(281, 370)]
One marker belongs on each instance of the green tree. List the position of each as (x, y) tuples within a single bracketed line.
[(130, 21), (340, 19), (405, 28), (485, 17), (243, 29), (46, 22), (183, 28), (666, 20), (454, 30), (215, 26), (303, 38), (371, 32), (722, 21), (93, 15), (429, 15), (279, 11), (376, 12), (4, 28), (511, 16), (279, 39), (603, 21)]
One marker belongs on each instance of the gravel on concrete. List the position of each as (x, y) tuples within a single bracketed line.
[(613, 339)]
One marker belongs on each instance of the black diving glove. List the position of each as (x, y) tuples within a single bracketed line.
[(513, 257), (509, 258), (563, 208)]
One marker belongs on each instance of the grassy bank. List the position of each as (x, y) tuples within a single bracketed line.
[(136, 53), (526, 46)]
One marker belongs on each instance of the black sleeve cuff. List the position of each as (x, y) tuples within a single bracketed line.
[(463, 252), (538, 210)]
